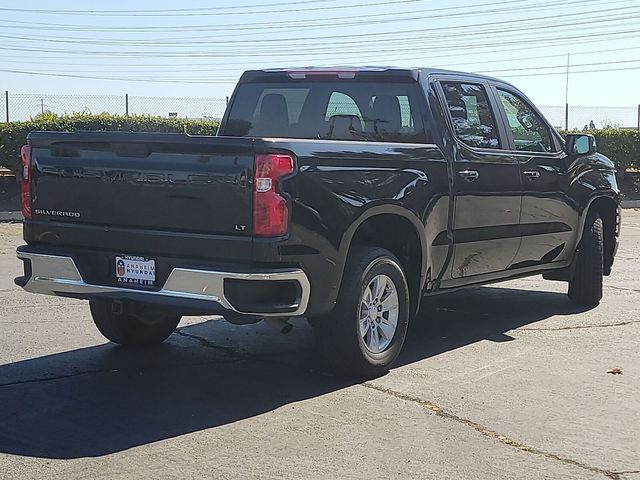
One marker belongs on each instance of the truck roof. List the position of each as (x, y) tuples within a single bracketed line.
[(349, 71)]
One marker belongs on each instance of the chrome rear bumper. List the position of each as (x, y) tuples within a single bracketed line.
[(59, 275)]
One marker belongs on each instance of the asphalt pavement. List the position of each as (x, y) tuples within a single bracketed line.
[(502, 382)]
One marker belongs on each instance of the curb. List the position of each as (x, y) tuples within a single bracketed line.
[(10, 216), (631, 204)]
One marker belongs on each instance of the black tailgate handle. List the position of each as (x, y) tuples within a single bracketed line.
[(130, 149)]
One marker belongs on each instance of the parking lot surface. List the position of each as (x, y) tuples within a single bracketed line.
[(501, 382)]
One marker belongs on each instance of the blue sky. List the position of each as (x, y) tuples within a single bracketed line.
[(200, 49)]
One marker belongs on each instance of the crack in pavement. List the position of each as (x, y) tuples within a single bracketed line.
[(208, 344), (623, 289), (114, 370), (56, 377), (489, 433), (428, 406), (19, 322), (233, 356), (61, 304), (575, 327), (236, 355)]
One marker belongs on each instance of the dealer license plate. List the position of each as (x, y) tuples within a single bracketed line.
[(135, 270)]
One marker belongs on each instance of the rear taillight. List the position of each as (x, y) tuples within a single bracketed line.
[(25, 184), (270, 209)]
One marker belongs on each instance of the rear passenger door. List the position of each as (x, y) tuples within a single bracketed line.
[(549, 219), (486, 181)]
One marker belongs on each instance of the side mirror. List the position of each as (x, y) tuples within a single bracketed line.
[(580, 144)]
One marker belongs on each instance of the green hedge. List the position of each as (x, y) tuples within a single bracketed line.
[(620, 145), (13, 134)]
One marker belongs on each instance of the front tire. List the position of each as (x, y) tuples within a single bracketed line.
[(136, 325), (585, 288), (365, 332)]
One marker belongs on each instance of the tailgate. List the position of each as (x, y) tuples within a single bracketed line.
[(168, 182)]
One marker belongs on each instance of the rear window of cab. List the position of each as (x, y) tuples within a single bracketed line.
[(323, 110)]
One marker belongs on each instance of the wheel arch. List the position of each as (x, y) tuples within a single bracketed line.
[(608, 207), (405, 239)]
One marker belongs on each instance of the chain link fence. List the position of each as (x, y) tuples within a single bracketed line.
[(592, 117), (23, 106)]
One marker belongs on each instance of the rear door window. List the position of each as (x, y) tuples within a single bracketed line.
[(474, 122)]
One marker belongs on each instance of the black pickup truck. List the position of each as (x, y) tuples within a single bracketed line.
[(341, 195)]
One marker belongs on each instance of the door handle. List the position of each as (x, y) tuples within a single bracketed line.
[(531, 174), (469, 175)]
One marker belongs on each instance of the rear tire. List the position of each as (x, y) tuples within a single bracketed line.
[(137, 325), (585, 288), (365, 332)]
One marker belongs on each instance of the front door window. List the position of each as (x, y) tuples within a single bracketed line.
[(530, 132)]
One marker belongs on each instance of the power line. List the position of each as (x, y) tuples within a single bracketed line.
[(449, 54), (437, 38), (546, 67), (306, 52), (369, 19), (307, 48), (599, 20), (213, 68), (149, 79), (538, 57), (204, 12), (494, 50), (192, 70), (223, 80), (573, 72), (356, 44), (172, 11), (405, 36), (363, 58)]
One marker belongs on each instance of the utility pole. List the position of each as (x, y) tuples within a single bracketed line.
[(639, 118), (6, 103), (566, 96), (126, 104), (42, 105)]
